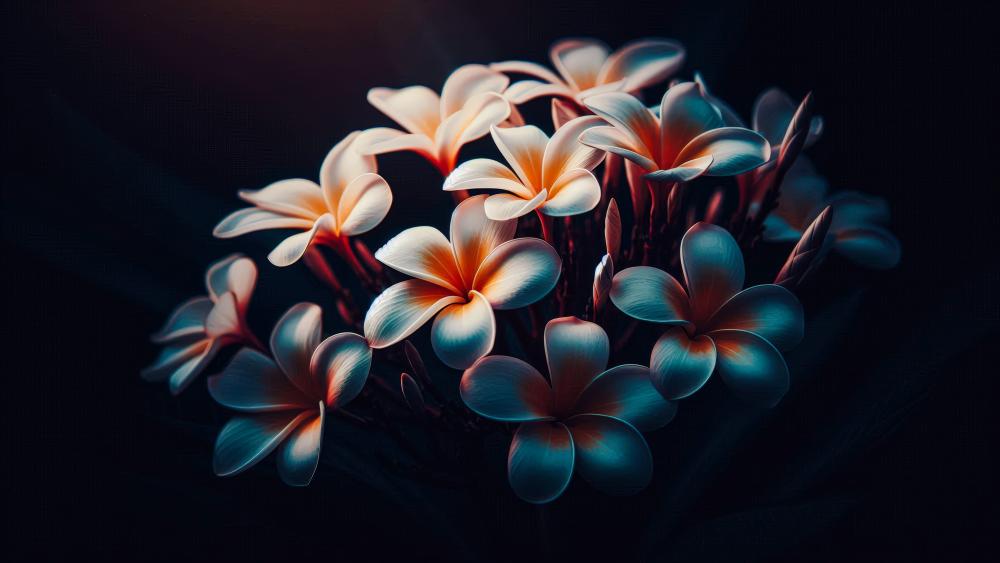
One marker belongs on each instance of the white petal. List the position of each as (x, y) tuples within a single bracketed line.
[(235, 273), (474, 236), (529, 68), (518, 273), (295, 198), (341, 364), (292, 248), (342, 164), (643, 63), (402, 309), (416, 108), (464, 332), (485, 174), (424, 253), (250, 219), (467, 81), (501, 207), (565, 152), (224, 318), (245, 440), (628, 114), (363, 205), (187, 319), (576, 191), (617, 142), (527, 90), (468, 124), (734, 150), (524, 149), (684, 114), (298, 457), (381, 140), (579, 61), (293, 340)]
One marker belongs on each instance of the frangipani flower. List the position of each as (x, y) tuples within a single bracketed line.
[(551, 175), (857, 229), (349, 200), (284, 400), (584, 418), (587, 67), (686, 140), (715, 326), (480, 269), (438, 127), (200, 327), (772, 113)]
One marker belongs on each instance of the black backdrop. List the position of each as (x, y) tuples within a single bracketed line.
[(131, 125)]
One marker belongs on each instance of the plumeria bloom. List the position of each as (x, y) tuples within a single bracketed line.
[(587, 67), (349, 200), (283, 401), (551, 175), (686, 140), (857, 229), (461, 281), (772, 113), (714, 325), (437, 127), (200, 327), (584, 418)]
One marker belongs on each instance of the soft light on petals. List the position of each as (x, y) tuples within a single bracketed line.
[(540, 462), (684, 114), (579, 61), (505, 389), (503, 207), (487, 174), (619, 143), (183, 357), (187, 319), (224, 318), (470, 123), (518, 273), (363, 205), (251, 219), (292, 248), (381, 140), (564, 151), (403, 308), (856, 209), (772, 113), (713, 268), (628, 114), (873, 247), (734, 150), (295, 336), (299, 454), (611, 454), (466, 82), (626, 392), (751, 366), (643, 63), (464, 332), (342, 164), (527, 90), (341, 364), (650, 294), (576, 191), (563, 113), (576, 352), (416, 108), (681, 365), (295, 198), (252, 382), (524, 148), (235, 273), (685, 172), (769, 311), (528, 68), (474, 236), (424, 253), (245, 440)]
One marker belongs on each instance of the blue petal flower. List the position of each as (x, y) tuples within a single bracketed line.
[(769, 311), (506, 389), (681, 365), (540, 462), (299, 454), (611, 454), (751, 366), (626, 392)]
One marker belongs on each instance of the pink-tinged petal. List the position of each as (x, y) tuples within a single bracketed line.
[(523, 147), (713, 268), (685, 172), (424, 253), (577, 352), (872, 246), (381, 140), (576, 191), (464, 332), (856, 209), (342, 164), (627, 393), (252, 382), (416, 108), (618, 143), (681, 365), (185, 373), (468, 81), (565, 152), (486, 174), (527, 90), (188, 319), (474, 236), (579, 61), (298, 457), (528, 68), (341, 364), (518, 273), (363, 205), (563, 113), (734, 150), (473, 121), (245, 440), (684, 114), (293, 340), (604, 274), (628, 114), (503, 207), (403, 308), (643, 63), (769, 311), (251, 219), (540, 462), (506, 389), (616, 86), (290, 250), (294, 198), (611, 454), (224, 318), (235, 273), (772, 113), (751, 366), (650, 294)]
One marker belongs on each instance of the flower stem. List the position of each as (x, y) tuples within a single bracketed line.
[(545, 222)]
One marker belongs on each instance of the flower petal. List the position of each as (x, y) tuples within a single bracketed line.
[(579, 61), (235, 273), (503, 207), (734, 150), (505, 389), (363, 205), (251, 219), (772, 113), (856, 209), (684, 114), (298, 457), (540, 462), (563, 112), (224, 318), (685, 172), (181, 363), (341, 364), (188, 319), (468, 124), (424, 253), (527, 90), (245, 440), (381, 140), (295, 336), (464, 332), (186, 372), (487, 174), (403, 308), (769, 311), (467, 81), (751, 366), (292, 248), (576, 352), (529, 68), (777, 229), (518, 273), (650, 294), (565, 152), (628, 114), (617, 142), (626, 392), (294, 198), (342, 164), (523, 147), (416, 108), (252, 382), (713, 268), (576, 191), (872, 246), (611, 454), (681, 365), (474, 236), (643, 63)]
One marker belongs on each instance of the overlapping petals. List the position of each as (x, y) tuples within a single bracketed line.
[(461, 280), (200, 327), (588, 419), (350, 199), (719, 327), (283, 401), (772, 113)]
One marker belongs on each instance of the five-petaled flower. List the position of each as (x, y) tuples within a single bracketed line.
[(689, 137), (438, 127), (716, 325), (200, 327), (551, 175), (284, 401), (480, 269), (350, 199), (585, 418)]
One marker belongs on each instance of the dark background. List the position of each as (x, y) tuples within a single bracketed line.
[(131, 125)]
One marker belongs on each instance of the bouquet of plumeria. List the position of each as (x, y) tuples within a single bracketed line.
[(626, 216)]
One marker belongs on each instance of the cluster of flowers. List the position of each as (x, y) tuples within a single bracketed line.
[(583, 417)]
